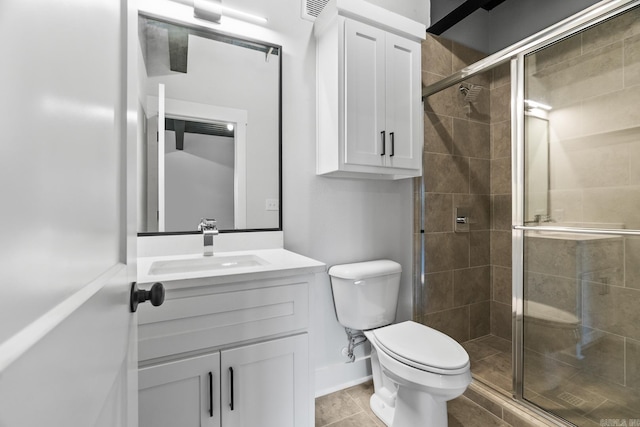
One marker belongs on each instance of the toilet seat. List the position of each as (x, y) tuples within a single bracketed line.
[(547, 315), (422, 347)]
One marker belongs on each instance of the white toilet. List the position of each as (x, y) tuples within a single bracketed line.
[(416, 369)]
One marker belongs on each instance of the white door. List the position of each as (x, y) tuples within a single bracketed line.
[(67, 223), (403, 104), (366, 136), (184, 393), (266, 384)]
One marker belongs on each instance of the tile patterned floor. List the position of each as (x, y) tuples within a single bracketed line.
[(568, 390), (350, 408)]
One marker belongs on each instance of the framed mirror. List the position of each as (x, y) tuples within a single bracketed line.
[(210, 129)]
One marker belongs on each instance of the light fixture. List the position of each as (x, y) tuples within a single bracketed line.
[(229, 126), (213, 10), (210, 10), (535, 104)]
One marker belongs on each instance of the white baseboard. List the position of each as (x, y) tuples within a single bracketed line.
[(339, 376)]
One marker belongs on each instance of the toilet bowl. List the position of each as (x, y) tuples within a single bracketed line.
[(427, 368), (416, 369), (549, 329)]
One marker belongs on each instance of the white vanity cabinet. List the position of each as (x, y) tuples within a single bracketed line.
[(370, 119), (228, 351), (180, 393)]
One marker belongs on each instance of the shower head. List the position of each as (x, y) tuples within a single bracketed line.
[(470, 91)]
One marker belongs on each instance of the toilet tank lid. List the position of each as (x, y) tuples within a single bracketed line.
[(364, 270)]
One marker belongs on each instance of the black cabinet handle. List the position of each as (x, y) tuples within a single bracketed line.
[(384, 144), (210, 394), (231, 374), (393, 144), (137, 296)]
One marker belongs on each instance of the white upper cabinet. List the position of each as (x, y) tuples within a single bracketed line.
[(369, 92)]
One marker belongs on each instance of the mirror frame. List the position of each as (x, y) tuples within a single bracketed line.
[(211, 33)]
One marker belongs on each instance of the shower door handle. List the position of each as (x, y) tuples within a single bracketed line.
[(384, 144)]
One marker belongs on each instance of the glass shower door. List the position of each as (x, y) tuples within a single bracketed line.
[(581, 215)]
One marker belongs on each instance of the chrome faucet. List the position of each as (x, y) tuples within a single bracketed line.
[(209, 229), (538, 219)]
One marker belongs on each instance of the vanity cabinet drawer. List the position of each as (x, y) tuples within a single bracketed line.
[(199, 322)]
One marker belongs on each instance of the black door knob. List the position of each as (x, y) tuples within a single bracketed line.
[(155, 295)]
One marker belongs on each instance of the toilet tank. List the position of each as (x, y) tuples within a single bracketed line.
[(365, 294)]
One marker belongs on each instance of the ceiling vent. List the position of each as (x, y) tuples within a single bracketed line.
[(312, 8)]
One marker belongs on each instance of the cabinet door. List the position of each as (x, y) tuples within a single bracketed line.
[(364, 88), (183, 393), (403, 104), (267, 384)]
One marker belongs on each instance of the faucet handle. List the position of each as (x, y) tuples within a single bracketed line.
[(207, 224)]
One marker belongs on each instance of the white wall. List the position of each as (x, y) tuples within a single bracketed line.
[(205, 164), (507, 23), (418, 10), (332, 220)]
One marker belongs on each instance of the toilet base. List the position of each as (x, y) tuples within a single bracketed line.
[(416, 408), (381, 409)]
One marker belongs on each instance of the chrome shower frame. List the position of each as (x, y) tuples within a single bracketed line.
[(515, 54)]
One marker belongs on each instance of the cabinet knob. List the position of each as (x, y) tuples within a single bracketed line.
[(155, 295)]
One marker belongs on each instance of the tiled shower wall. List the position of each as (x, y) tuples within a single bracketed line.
[(467, 291), (592, 81)]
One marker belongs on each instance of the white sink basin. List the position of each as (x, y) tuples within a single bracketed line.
[(205, 263)]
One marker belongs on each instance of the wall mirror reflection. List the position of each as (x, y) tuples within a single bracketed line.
[(209, 114), (537, 167)]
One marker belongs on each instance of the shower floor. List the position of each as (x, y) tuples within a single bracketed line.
[(491, 361), (572, 392)]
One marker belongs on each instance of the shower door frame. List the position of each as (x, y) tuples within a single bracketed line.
[(515, 54)]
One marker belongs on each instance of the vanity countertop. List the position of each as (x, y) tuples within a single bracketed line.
[(225, 267)]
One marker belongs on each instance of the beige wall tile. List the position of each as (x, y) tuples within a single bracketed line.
[(612, 205), (588, 165), (479, 319), (555, 257), (436, 55), (438, 134), (565, 205), (553, 291), (471, 285), (612, 111), (501, 212), (554, 54), (612, 309), (479, 248), (438, 292), (594, 73), (501, 139), (501, 176), (446, 174), (632, 61), (632, 372), (454, 322), (501, 248), (501, 104), (604, 357), (479, 176), (446, 251), (438, 212), (471, 139), (501, 75), (502, 284), (611, 31), (501, 320), (632, 262)]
